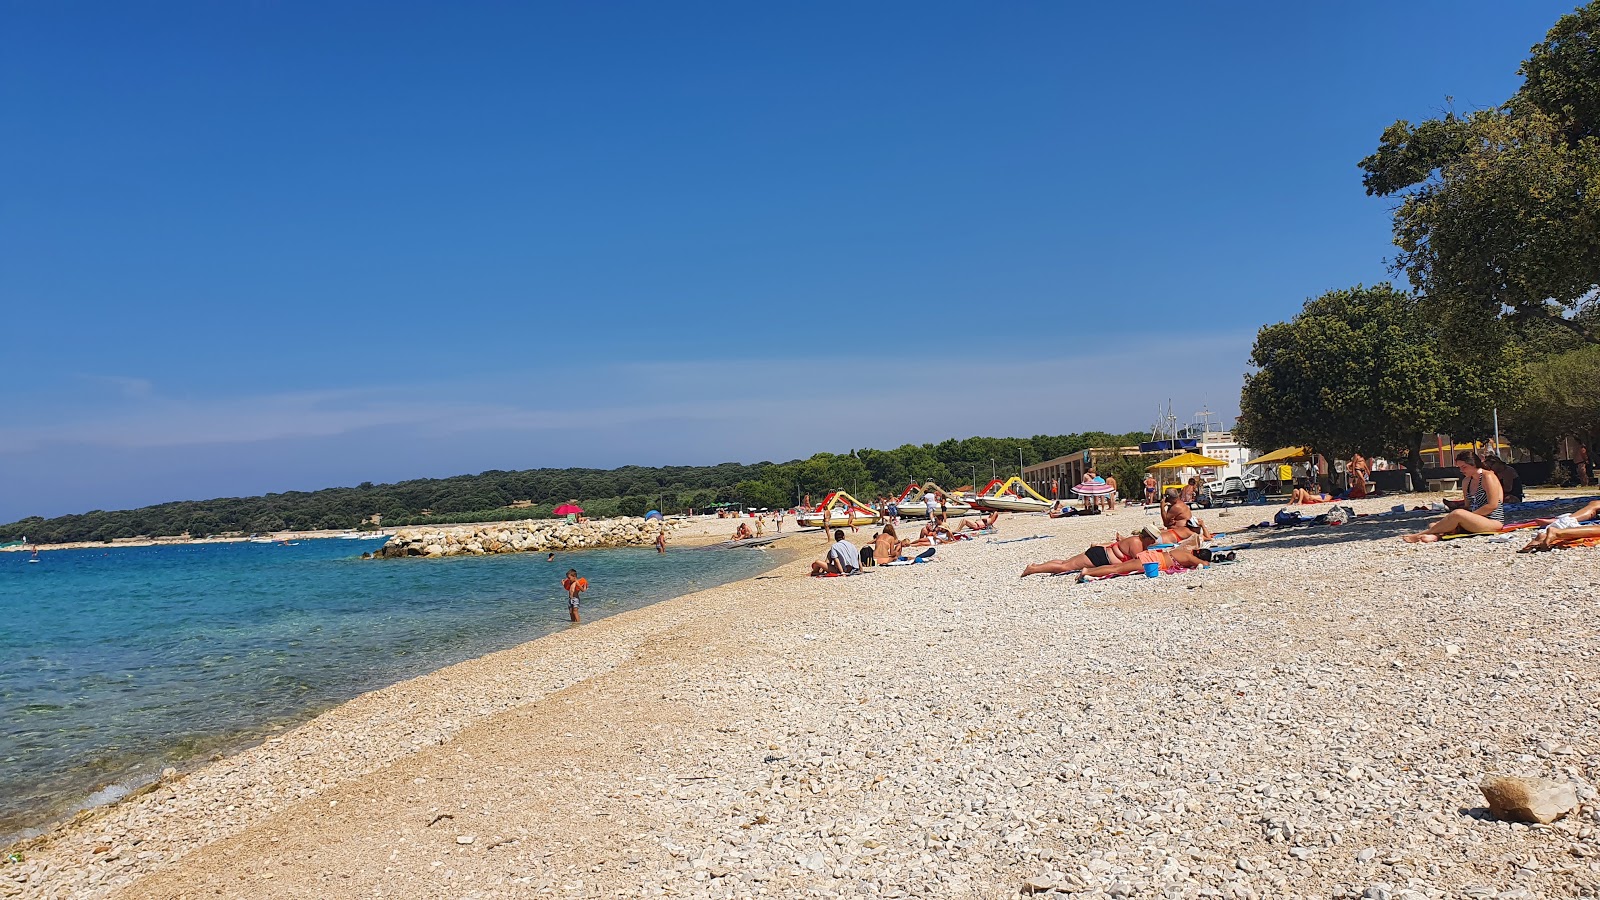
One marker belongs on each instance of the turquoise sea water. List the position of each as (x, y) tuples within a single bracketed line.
[(117, 662)]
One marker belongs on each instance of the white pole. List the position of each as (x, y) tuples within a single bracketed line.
[(1497, 431)]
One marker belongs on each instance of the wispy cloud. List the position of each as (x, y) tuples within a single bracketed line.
[(120, 385), (763, 407)]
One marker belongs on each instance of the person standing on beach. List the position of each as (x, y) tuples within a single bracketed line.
[(574, 585)]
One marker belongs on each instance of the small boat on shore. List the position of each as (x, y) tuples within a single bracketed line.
[(838, 509), (1012, 495)]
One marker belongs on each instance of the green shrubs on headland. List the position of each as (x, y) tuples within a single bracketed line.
[(631, 490)]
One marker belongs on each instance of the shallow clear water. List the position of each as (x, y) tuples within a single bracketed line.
[(117, 662)]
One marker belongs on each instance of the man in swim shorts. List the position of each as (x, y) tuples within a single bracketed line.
[(574, 585)]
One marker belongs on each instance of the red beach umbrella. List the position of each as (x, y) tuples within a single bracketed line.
[(567, 509)]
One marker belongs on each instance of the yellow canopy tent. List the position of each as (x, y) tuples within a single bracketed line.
[(1190, 460), (1286, 455)]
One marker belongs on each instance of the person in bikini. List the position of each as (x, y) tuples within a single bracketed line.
[(1122, 550), (888, 545), (1482, 507), (1302, 496), (1176, 558), (979, 525)]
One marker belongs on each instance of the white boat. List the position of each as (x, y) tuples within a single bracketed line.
[(1013, 495), (358, 536)]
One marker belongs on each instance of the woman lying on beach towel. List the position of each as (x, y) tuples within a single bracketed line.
[(1176, 558), (1303, 497), (1480, 511), (1568, 531), (1119, 551)]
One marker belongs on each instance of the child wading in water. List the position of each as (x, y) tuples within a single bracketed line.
[(574, 586)]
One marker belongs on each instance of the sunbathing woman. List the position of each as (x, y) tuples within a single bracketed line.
[(1481, 511), (1301, 496), (888, 545), (1176, 558), (1121, 550), (1553, 536), (980, 525)]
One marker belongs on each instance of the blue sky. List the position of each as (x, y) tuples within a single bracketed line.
[(248, 247)]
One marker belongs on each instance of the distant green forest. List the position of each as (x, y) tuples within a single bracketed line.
[(630, 490)]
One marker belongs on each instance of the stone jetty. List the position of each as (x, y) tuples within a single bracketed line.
[(527, 536)]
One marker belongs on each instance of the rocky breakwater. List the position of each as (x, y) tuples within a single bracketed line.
[(520, 537)]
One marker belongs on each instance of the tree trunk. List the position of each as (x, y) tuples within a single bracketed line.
[(1414, 462)]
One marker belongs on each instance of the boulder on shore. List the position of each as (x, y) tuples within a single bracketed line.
[(1528, 799)]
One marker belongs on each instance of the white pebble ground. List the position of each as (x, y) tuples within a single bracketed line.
[(1310, 721)]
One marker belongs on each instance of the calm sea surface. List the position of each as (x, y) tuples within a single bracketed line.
[(117, 662)]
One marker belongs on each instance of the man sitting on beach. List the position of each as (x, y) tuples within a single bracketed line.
[(843, 558), (742, 533), (1181, 524)]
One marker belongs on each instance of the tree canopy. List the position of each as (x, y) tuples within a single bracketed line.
[(1500, 208), (532, 493), (1363, 370)]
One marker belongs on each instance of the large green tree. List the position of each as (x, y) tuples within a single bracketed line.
[(1499, 212), (1363, 370), (1559, 396)]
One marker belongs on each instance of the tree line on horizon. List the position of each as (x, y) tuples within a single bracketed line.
[(533, 493), (1498, 233)]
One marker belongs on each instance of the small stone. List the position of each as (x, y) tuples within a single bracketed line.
[(1515, 799), (1366, 855), (466, 838)]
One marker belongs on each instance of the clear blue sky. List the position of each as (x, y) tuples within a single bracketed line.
[(248, 247)]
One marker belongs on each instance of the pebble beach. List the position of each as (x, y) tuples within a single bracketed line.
[(1311, 720)]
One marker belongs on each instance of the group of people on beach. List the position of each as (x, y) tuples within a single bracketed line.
[(1487, 485), (1176, 544), (886, 546)]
